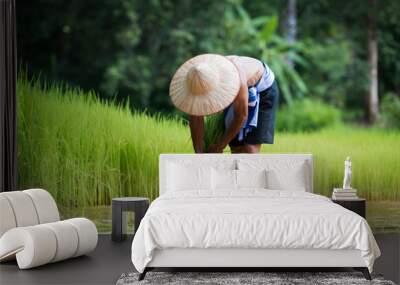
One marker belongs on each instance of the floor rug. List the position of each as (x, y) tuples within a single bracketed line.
[(233, 278)]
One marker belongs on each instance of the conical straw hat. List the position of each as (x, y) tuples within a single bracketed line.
[(204, 85)]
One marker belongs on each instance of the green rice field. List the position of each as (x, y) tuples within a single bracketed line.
[(85, 151)]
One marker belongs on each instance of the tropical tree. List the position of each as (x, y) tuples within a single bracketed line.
[(259, 37), (291, 24), (372, 97)]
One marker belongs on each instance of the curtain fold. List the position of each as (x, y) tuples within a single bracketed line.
[(8, 75)]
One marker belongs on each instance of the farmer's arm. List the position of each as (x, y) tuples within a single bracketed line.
[(240, 115), (196, 124), (240, 107)]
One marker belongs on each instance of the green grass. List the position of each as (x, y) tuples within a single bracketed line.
[(85, 151), (375, 156)]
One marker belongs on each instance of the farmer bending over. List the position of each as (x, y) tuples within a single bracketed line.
[(243, 88)]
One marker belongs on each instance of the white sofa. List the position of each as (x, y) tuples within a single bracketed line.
[(31, 231)]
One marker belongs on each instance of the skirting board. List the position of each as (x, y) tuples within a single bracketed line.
[(229, 257)]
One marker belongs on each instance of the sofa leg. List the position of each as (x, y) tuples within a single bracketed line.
[(364, 271), (143, 274)]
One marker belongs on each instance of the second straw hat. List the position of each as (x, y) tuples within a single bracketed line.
[(204, 85)]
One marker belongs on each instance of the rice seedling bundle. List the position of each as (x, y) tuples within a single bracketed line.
[(214, 129)]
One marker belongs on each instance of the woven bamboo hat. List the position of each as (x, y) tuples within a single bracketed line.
[(204, 85)]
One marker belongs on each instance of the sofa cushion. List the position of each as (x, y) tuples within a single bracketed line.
[(7, 220), (23, 208), (87, 235), (46, 207), (67, 240)]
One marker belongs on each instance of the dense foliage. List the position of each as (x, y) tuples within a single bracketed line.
[(129, 49), (390, 115), (306, 116)]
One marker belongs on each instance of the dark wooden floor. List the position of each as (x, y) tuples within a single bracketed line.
[(110, 260)]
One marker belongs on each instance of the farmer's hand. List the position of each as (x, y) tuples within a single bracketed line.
[(216, 148)]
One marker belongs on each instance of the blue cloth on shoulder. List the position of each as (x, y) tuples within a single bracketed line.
[(253, 106)]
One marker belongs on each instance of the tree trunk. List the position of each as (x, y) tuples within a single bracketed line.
[(291, 26), (372, 99)]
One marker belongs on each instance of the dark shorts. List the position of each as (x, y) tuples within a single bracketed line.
[(264, 133)]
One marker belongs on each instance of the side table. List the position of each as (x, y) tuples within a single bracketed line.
[(356, 205), (120, 206)]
